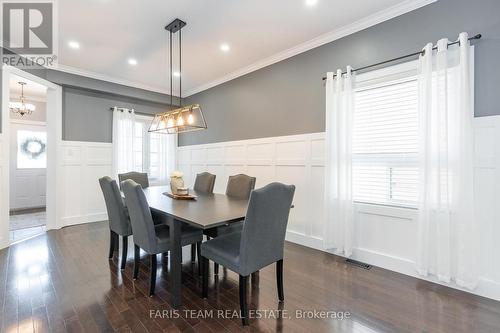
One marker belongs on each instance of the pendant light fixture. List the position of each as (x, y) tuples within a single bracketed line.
[(21, 107), (183, 118)]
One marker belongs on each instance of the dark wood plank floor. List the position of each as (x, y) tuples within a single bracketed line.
[(62, 281)]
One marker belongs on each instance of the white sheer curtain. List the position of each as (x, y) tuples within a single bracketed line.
[(123, 141), (338, 189), (448, 238), (167, 156)]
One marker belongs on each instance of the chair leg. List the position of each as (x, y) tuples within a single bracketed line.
[(111, 243), (124, 251), (152, 280), (216, 268), (137, 256), (243, 300), (204, 283), (255, 277), (193, 253), (279, 279), (198, 254)]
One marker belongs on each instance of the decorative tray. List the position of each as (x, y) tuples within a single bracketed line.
[(180, 197)]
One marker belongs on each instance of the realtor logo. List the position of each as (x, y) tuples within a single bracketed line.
[(28, 33), (27, 27)]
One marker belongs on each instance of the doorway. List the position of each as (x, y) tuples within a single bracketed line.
[(28, 158)]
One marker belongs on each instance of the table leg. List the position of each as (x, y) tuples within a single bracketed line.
[(175, 262)]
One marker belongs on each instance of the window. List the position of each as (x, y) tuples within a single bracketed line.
[(385, 143), (146, 149)]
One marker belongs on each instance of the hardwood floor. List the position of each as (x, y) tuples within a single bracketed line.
[(62, 281)]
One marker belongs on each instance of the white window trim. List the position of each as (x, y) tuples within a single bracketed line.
[(402, 71)]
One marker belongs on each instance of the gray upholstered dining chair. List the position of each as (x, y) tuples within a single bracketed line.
[(203, 184), (119, 222), (140, 178), (259, 244), (152, 239), (238, 187)]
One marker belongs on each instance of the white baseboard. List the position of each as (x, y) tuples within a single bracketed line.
[(486, 287), (74, 220), (309, 241)]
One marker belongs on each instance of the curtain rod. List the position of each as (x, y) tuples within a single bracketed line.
[(121, 109), (478, 36)]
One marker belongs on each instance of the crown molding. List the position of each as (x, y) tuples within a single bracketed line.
[(371, 20), (106, 78)]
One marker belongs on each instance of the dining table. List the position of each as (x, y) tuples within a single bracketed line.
[(204, 212)]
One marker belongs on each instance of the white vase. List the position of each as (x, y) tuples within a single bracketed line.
[(175, 183)]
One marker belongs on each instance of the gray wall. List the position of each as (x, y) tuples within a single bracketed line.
[(87, 117), (288, 97), (86, 103)]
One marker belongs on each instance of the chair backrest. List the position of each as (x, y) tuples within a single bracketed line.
[(263, 235), (143, 228), (240, 186), (117, 212), (140, 178), (204, 183)]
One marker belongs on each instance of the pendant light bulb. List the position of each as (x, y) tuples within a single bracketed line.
[(170, 123), (163, 124), (180, 120), (190, 118)]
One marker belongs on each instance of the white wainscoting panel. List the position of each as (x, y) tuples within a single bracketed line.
[(383, 236), (83, 163), (290, 159)]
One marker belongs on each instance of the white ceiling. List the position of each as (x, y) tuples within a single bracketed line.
[(259, 32), (32, 90)]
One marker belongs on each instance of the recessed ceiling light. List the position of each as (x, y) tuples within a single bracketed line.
[(74, 45), (311, 3), (224, 47), (177, 74), (132, 62)]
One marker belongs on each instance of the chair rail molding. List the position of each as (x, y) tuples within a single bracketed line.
[(383, 236)]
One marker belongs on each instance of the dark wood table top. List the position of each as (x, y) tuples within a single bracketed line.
[(207, 211)]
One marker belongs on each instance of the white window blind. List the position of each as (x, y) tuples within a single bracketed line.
[(385, 144)]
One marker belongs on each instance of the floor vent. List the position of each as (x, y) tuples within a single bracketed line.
[(358, 263)]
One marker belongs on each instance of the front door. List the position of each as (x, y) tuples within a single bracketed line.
[(28, 165)]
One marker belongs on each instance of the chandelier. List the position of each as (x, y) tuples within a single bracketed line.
[(183, 118), (21, 107)]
